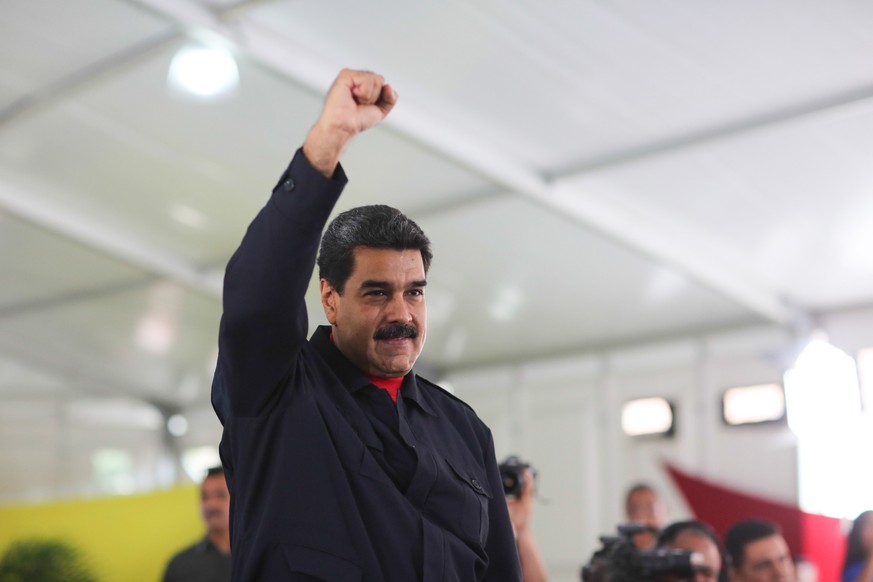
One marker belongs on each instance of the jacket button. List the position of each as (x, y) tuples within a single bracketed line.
[(289, 184), (476, 485)]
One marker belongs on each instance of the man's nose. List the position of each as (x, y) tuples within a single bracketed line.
[(398, 310)]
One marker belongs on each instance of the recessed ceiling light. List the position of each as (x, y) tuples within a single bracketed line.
[(177, 425), (187, 216), (155, 333), (203, 71), (507, 303)]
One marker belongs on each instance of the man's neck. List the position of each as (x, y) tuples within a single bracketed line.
[(221, 540), (390, 385)]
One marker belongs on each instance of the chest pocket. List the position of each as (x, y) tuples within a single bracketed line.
[(311, 565), (466, 504)]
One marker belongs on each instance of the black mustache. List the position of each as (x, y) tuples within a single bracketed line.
[(396, 331)]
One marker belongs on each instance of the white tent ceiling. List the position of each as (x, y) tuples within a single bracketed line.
[(591, 174)]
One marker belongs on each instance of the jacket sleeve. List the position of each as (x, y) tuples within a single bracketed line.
[(264, 322), (503, 564)]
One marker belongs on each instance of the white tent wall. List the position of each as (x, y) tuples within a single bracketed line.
[(49, 453), (564, 416)]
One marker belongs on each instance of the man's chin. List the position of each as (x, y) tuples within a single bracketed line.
[(394, 368), (394, 371), (394, 360)]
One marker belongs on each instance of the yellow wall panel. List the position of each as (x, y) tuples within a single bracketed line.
[(127, 538)]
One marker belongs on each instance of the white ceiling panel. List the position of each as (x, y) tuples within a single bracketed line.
[(47, 44), (149, 340), (39, 267), (792, 203), (508, 276), (553, 87)]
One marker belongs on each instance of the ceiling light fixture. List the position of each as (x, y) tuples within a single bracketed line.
[(177, 425), (203, 71)]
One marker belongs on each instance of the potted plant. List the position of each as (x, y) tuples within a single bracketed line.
[(44, 560)]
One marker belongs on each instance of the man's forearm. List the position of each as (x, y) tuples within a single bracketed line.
[(533, 568), (264, 319)]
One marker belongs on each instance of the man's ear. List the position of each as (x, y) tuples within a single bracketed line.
[(329, 297)]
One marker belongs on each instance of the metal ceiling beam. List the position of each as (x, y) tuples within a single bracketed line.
[(301, 65), (81, 78), (718, 132), (74, 378), (84, 229), (30, 305)]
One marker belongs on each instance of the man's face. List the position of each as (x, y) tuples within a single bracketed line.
[(765, 560), (215, 503), (380, 320), (707, 570), (643, 506)]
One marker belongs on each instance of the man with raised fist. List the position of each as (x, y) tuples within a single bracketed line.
[(343, 464)]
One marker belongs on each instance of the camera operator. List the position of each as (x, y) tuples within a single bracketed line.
[(644, 505), (518, 485), (759, 552), (696, 536), (619, 560)]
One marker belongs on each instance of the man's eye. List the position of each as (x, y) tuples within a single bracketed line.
[(416, 292), (377, 293)]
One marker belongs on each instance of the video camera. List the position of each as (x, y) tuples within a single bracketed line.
[(512, 474), (618, 560)]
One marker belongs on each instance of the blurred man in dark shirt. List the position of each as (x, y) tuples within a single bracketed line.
[(209, 559), (759, 553)]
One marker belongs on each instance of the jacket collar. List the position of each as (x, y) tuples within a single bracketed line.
[(353, 379)]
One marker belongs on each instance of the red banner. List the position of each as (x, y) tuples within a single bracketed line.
[(815, 538)]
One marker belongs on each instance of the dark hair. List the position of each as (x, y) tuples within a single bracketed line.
[(375, 226), (213, 471), (669, 534), (742, 533), (855, 551), (637, 488)]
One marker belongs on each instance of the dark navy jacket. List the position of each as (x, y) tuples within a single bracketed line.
[(310, 496)]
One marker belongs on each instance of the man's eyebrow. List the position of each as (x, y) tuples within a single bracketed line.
[(374, 284), (371, 283)]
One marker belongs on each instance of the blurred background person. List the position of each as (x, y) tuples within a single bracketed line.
[(520, 500), (643, 505), (697, 536), (858, 563), (209, 559), (758, 552)]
